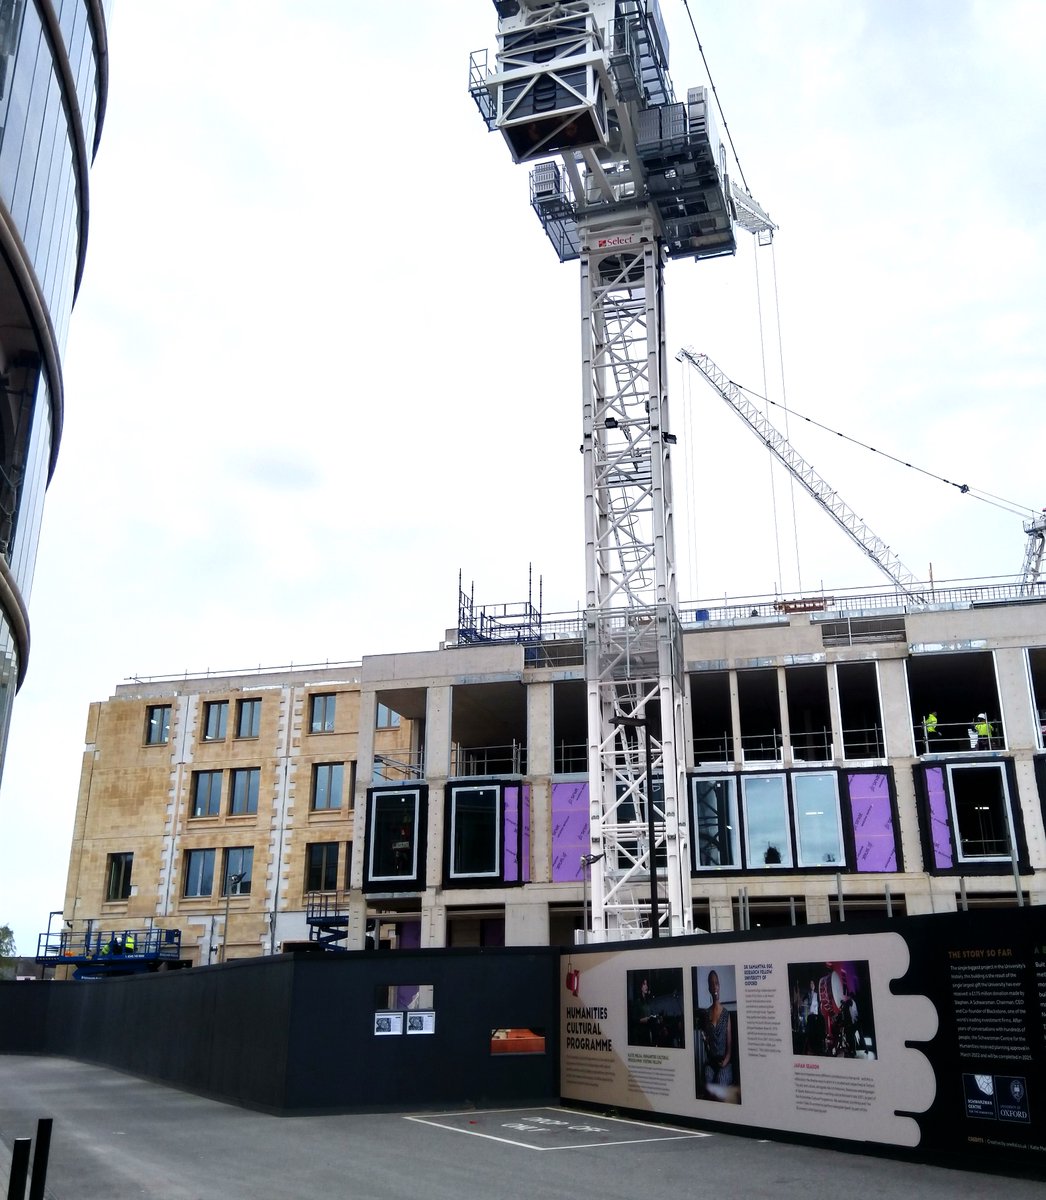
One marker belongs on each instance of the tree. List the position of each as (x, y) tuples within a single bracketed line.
[(7, 952)]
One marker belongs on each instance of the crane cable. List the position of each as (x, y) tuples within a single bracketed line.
[(777, 310), (964, 488), (711, 84)]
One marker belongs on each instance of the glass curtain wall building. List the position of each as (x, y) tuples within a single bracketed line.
[(53, 82)]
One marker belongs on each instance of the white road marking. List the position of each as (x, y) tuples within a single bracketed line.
[(538, 1124)]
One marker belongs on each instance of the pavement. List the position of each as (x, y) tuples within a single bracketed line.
[(117, 1136)]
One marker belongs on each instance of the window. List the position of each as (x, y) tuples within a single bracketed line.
[(118, 876), (475, 833), (206, 793), (767, 839), (236, 870), (199, 873), (715, 822), (321, 713), (248, 718), (215, 717), (393, 835), (819, 832), (321, 867), (157, 724), (387, 719), (244, 798), (981, 812), (326, 785)]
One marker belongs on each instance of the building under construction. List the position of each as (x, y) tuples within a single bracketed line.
[(441, 798), (646, 767)]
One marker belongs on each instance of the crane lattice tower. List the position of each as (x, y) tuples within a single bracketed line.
[(624, 177)]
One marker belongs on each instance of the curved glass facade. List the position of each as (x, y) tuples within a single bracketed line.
[(52, 78)]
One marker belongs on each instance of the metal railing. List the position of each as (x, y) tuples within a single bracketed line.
[(821, 605), (954, 737), (473, 761), (99, 944)]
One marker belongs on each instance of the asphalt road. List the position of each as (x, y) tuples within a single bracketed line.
[(116, 1136)]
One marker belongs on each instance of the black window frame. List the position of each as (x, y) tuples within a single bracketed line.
[(118, 871), (243, 888), (323, 707), (386, 717), (375, 877), (333, 795), (165, 724), (216, 714), (248, 710), (253, 777), (191, 856), (462, 832), (322, 871), (214, 799), (929, 819)]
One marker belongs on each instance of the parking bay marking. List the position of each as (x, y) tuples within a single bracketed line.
[(580, 1123)]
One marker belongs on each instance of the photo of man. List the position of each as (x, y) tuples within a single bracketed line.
[(831, 1009)]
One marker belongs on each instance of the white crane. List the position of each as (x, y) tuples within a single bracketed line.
[(830, 500), (1032, 565), (625, 177)]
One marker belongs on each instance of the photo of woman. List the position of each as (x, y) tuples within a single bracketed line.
[(715, 1047)]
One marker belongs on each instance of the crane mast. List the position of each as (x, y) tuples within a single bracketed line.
[(1033, 552), (624, 177)]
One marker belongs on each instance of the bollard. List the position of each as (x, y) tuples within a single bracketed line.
[(19, 1168), (41, 1151)]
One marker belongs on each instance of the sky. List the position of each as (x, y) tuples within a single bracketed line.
[(323, 359)]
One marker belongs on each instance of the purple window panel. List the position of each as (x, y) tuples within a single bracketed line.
[(510, 830), (570, 831), (874, 837), (513, 810), (525, 870), (940, 830)]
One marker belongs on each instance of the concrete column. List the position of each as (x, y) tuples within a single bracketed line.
[(540, 762), (835, 714), (433, 924), (735, 719), (541, 831), (897, 712), (786, 728), (540, 745), (364, 778), (438, 712)]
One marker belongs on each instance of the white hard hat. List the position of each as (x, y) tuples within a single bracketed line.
[(982, 716)]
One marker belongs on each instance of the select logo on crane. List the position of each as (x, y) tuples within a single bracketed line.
[(608, 243)]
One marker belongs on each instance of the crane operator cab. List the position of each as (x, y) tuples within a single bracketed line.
[(588, 81)]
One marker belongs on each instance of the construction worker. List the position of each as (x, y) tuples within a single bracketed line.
[(929, 730), (129, 942), (982, 727)]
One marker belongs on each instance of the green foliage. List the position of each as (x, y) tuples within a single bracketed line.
[(7, 942)]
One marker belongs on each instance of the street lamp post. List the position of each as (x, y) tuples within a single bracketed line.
[(586, 871), (231, 881)]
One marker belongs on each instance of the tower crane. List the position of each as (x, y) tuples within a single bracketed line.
[(851, 524), (832, 503), (1032, 565), (624, 177)]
